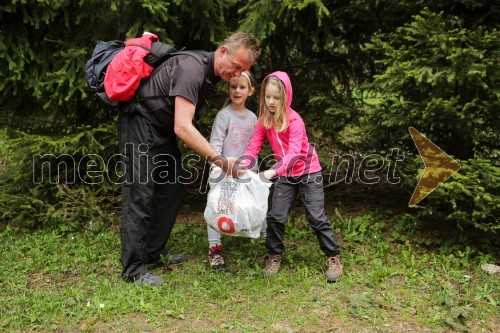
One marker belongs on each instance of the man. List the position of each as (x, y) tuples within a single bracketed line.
[(148, 129)]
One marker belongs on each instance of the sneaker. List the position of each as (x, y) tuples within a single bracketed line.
[(215, 258), (149, 279), (272, 263), (170, 259), (335, 268)]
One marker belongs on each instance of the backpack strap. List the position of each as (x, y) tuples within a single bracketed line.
[(203, 60), (147, 49)]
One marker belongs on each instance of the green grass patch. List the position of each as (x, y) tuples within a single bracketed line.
[(396, 278)]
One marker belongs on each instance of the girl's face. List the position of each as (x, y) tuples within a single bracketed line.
[(272, 96), (239, 90)]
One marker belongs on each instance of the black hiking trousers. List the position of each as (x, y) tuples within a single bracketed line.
[(310, 190), (151, 191)]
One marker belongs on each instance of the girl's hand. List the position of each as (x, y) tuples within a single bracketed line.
[(270, 174)]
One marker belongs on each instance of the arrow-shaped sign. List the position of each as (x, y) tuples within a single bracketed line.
[(439, 166)]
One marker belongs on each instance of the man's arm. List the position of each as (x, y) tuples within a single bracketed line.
[(185, 130)]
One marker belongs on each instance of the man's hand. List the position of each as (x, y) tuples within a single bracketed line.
[(231, 165), (270, 174)]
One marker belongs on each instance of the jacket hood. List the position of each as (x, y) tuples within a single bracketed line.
[(283, 77)]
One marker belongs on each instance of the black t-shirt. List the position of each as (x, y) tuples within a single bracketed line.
[(181, 75)]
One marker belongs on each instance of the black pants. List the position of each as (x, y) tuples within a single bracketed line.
[(310, 189), (151, 192)]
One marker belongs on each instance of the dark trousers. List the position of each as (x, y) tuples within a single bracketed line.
[(310, 189), (151, 191)]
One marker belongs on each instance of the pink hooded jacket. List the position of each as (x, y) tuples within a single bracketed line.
[(293, 153)]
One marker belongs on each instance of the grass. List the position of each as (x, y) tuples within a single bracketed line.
[(397, 278)]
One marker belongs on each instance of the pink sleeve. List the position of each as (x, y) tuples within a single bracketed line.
[(297, 130), (254, 147)]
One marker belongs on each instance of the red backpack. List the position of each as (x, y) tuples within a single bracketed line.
[(128, 68)]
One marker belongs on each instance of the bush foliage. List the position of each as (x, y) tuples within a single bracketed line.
[(60, 182), (440, 78)]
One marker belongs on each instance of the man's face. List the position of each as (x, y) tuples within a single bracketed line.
[(234, 63)]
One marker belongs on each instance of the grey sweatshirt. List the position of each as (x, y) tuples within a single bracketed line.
[(231, 132)]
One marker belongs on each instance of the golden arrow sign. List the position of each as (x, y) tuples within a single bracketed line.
[(439, 166)]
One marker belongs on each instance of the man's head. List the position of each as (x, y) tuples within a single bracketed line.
[(237, 53)]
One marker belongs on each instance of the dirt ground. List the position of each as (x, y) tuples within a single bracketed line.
[(353, 200), (350, 199)]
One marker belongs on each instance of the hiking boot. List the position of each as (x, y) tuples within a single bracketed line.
[(149, 279), (170, 259), (215, 258), (335, 268), (272, 263)]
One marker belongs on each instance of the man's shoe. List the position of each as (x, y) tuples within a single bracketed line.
[(216, 258), (170, 259), (335, 268), (272, 264), (149, 279), (176, 258)]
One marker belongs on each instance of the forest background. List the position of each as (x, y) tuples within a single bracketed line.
[(364, 72)]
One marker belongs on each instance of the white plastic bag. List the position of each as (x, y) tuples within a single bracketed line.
[(237, 206)]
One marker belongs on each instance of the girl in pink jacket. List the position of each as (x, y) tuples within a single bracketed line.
[(298, 170)]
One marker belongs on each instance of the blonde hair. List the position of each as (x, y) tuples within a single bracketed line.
[(242, 39), (279, 119)]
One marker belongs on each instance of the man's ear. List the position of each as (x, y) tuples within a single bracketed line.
[(223, 51)]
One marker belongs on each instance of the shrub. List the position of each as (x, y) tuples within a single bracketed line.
[(59, 188), (440, 78)]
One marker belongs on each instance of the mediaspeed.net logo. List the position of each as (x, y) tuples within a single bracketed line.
[(368, 169)]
